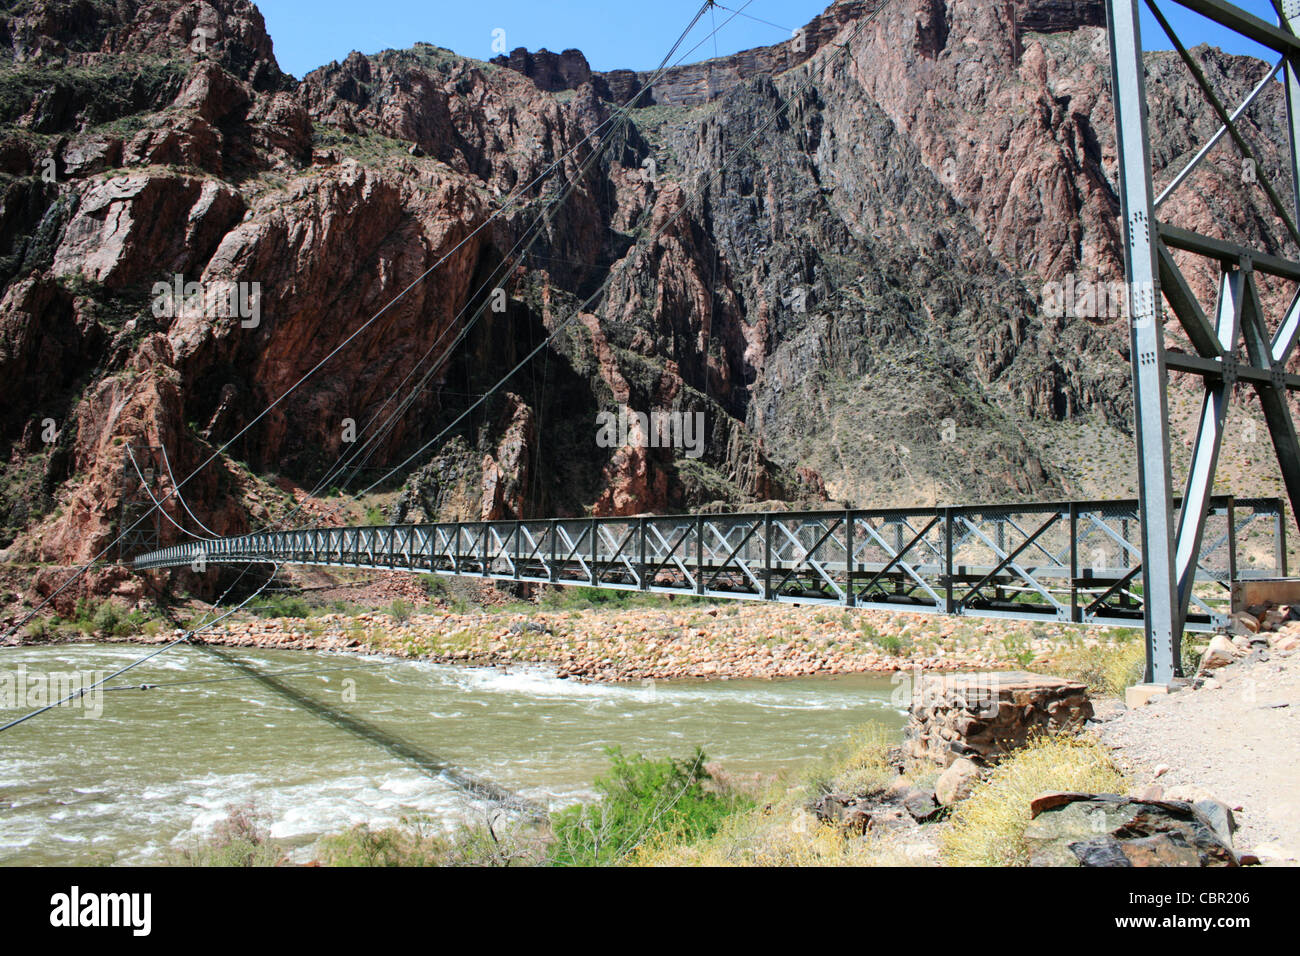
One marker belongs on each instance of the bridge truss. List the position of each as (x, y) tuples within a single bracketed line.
[(1071, 562), (1233, 342)]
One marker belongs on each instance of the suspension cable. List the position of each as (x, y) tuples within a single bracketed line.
[(167, 462), (144, 485), (134, 664)]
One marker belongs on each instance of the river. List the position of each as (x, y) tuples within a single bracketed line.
[(363, 741)]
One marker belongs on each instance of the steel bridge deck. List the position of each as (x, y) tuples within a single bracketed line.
[(1072, 561)]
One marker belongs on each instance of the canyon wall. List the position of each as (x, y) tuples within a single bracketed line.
[(836, 260)]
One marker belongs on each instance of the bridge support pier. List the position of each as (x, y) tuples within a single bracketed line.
[(1146, 345)]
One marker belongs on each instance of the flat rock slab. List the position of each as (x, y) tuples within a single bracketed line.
[(982, 717), (1081, 829)]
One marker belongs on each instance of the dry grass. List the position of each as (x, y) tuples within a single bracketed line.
[(988, 828), (1107, 669), (774, 836), (862, 766)]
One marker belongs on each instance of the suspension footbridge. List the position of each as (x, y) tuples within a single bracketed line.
[(1073, 561)]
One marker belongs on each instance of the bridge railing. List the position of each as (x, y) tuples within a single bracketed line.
[(1070, 561)]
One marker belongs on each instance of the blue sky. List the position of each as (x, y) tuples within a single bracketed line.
[(632, 35)]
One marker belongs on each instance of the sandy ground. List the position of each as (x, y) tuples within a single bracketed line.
[(1238, 738)]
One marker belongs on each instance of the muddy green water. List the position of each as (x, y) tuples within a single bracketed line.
[(159, 768)]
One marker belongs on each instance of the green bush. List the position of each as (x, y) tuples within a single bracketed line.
[(892, 644), (280, 605), (107, 619), (408, 845), (581, 597), (104, 618), (39, 630), (399, 611), (668, 800), (1016, 647)]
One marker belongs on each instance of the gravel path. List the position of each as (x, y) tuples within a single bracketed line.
[(1238, 738)]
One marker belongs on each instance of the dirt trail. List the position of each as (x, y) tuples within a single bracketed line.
[(1238, 737)]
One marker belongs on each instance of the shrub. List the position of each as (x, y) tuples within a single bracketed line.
[(782, 831), (415, 842), (580, 597), (892, 644), (90, 617), (107, 619), (280, 605), (668, 801), (570, 597), (407, 845), (1017, 648), (240, 840), (39, 630), (766, 837), (399, 611), (988, 828)]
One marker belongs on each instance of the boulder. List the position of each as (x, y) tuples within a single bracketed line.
[(1274, 617), (1245, 623), (1212, 808), (1081, 829), (1286, 643), (957, 781), (856, 815), (833, 808), (1220, 653), (920, 803)]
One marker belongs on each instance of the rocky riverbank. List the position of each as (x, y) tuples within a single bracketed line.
[(667, 641), (1232, 736)]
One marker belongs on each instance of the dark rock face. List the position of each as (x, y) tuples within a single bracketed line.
[(1053, 16), (695, 83), (689, 84), (553, 72), (851, 301), (1080, 829)]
